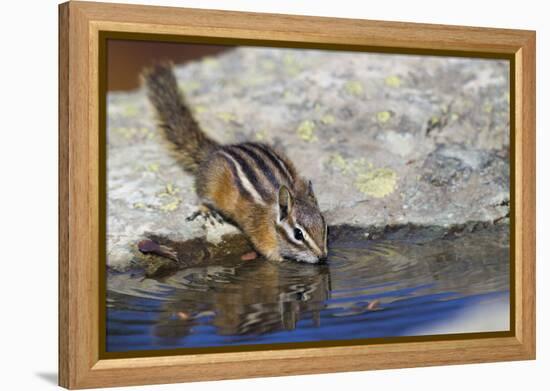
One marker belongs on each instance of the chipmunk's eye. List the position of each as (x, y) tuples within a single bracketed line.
[(298, 235)]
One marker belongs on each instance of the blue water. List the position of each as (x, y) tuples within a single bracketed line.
[(368, 289)]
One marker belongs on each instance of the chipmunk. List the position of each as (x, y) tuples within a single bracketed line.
[(251, 184)]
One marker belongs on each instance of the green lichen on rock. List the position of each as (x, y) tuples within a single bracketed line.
[(211, 62), (354, 87), (328, 119), (227, 116), (261, 135), (199, 109), (383, 116), (377, 183), (188, 86), (393, 81), (171, 205), (170, 198), (153, 167), (338, 161), (291, 64), (370, 181), (306, 131), (130, 110)]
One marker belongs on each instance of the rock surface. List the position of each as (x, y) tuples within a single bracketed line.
[(387, 140)]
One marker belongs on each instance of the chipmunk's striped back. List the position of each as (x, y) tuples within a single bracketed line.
[(250, 184), (258, 171)]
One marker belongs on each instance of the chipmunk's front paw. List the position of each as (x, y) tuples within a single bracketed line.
[(208, 215), (274, 256)]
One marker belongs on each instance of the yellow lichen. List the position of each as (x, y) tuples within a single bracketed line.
[(153, 167), (227, 117), (349, 166), (434, 121), (291, 66), (170, 189), (210, 62), (305, 130), (373, 182), (393, 81), (261, 135), (170, 206), (189, 86), (130, 111), (139, 205), (377, 183), (383, 116), (338, 161), (328, 119), (198, 109), (354, 87), (125, 132)]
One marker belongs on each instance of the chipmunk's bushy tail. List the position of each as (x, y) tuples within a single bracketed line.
[(175, 117)]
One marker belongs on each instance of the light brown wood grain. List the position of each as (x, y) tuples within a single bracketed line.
[(525, 191), (64, 353), (80, 365)]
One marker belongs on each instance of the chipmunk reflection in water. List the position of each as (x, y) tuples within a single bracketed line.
[(245, 299)]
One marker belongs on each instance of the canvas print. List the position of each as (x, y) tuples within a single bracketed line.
[(261, 197)]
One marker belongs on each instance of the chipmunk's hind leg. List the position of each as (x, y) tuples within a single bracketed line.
[(208, 214)]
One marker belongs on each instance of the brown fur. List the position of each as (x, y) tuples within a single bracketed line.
[(175, 118), (217, 188)]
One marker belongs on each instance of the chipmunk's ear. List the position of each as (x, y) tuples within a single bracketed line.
[(310, 192), (285, 202)]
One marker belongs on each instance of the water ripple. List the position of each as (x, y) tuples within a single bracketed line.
[(371, 290)]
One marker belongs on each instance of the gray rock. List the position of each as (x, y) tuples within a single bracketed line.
[(386, 139)]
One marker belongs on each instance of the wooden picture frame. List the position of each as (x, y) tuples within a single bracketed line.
[(81, 25)]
